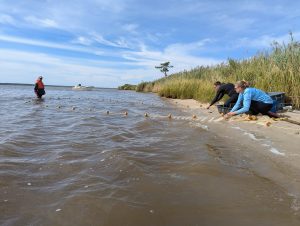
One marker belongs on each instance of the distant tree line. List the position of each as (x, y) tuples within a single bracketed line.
[(127, 87)]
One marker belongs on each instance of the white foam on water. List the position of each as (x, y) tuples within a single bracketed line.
[(200, 125), (203, 119), (251, 135), (295, 205), (176, 176), (185, 118), (238, 128), (275, 151)]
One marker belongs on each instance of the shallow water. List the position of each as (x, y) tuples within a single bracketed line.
[(65, 161)]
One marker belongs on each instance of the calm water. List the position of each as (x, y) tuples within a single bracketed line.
[(64, 161)]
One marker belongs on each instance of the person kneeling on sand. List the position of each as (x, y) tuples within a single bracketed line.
[(39, 87), (223, 89), (251, 99)]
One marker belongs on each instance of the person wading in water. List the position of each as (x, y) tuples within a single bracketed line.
[(39, 87)]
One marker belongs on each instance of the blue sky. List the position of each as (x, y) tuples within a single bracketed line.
[(110, 43)]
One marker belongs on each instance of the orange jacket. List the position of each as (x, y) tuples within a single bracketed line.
[(40, 84)]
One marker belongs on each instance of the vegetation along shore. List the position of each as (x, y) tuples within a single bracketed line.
[(275, 70)]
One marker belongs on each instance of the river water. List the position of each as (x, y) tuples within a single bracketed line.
[(65, 161)]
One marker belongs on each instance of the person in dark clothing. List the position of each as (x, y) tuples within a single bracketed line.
[(223, 89), (39, 87)]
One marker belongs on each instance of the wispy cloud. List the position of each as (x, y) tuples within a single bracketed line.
[(124, 39), (66, 70), (41, 22), (82, 40), (7, 19), (188, 47), (101, 40), (179, 54), (265, 41), (95, 51), (234, 23), (94, 38), (140, 65), (130, 28)]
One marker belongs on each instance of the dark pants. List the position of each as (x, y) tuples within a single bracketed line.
[(257, 107), (231, 101), (40, 93)]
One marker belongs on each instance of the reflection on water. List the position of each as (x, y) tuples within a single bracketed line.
[(65, 161)]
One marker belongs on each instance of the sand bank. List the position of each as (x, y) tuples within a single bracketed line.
[(284, 136), (275, 144)]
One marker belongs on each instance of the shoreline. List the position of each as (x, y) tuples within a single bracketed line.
[(281, 133), (272, 146)]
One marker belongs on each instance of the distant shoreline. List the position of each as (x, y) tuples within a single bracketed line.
[(25, 84)]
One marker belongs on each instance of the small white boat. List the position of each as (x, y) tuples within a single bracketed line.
[(79, 87)]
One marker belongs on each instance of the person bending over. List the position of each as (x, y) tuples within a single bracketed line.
[(223, 89), (251, 99)]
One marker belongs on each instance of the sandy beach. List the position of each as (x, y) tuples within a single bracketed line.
[(272, 143)]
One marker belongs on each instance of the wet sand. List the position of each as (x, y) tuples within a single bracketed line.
[(274, 144)]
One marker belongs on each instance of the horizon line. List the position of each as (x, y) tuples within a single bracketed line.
[(31, 84)]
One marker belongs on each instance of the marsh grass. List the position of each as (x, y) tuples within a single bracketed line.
[(127, 87), (275, 71)]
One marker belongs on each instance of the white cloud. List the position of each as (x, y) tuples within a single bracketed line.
[(100, 39), (234, 23), (69, 71), (41, 22), (130, 28), (264, 41), (120, 43), (82, 40), (143, 55), (64, 71), (134, 36), (95, 51), (115, 6), (7, 19), (178, 54), (187, 47)]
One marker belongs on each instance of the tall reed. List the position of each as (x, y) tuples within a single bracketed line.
[(274, 70)]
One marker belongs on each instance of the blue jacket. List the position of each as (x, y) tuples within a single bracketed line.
[(245, 98)]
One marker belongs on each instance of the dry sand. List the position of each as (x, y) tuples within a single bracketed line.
[(274, 145)]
